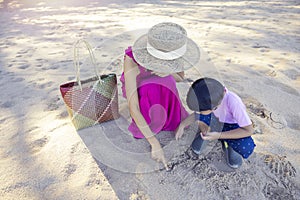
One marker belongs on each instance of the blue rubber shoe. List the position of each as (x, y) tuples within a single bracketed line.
[(198, 144), (233, 159)]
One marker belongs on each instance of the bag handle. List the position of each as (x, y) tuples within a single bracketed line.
[(76, 60)]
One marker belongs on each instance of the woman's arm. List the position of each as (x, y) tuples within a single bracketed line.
[(178, 76), (187, 121), (131, 71)]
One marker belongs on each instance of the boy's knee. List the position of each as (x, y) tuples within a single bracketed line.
[(246, 152), (243, 146)]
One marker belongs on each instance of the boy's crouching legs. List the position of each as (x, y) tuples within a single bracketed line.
[(236, 149), (198, 144), (233, 159)]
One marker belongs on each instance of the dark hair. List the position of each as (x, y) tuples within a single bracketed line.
[(205, 94)]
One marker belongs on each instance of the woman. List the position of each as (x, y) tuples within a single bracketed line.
[(151, 68)]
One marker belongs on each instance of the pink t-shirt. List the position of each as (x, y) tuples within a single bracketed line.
[(232, 110)]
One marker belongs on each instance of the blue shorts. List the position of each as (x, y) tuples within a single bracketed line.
[(243, 146)]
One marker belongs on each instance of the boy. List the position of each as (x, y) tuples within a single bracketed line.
[(221, 115)]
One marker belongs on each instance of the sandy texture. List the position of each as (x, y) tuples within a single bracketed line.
[(251, 46)]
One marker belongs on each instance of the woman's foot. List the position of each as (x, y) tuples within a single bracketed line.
[(233, 159), (198, 144)]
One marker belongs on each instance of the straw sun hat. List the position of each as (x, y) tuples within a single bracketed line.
[(166, 49)]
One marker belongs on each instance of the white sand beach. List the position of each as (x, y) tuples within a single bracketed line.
[(253, 47)]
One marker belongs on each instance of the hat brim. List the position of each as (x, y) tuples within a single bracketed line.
[(146, 60)]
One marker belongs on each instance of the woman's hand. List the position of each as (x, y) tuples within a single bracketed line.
[(179, 132), (185, 123), (158, 155)]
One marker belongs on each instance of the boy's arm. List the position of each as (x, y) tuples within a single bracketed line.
[(233, 134), (187, 121), (241, 132), (238, 110)]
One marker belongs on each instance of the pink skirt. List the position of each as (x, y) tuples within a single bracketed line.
[(161, 108)]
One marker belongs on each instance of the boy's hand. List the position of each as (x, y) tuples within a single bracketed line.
[(204, 128), (211, 135), (179, 132)]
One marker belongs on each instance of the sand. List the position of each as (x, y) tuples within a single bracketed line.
[(251, 46)]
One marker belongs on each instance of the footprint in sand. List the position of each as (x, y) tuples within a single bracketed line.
[(280, 185), (283, 87), (71, 78), (291, 73), (93, 181), (23, 51), (7, 104), (38, 65), (2, 120), (32, 129), (18, 79), (41, 60), (25, 66), (38, 144), (53, 104), (69, 169), (234, 85), (63, 115), (75, 148), (280, 166), (46, 85), (271, 191)]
